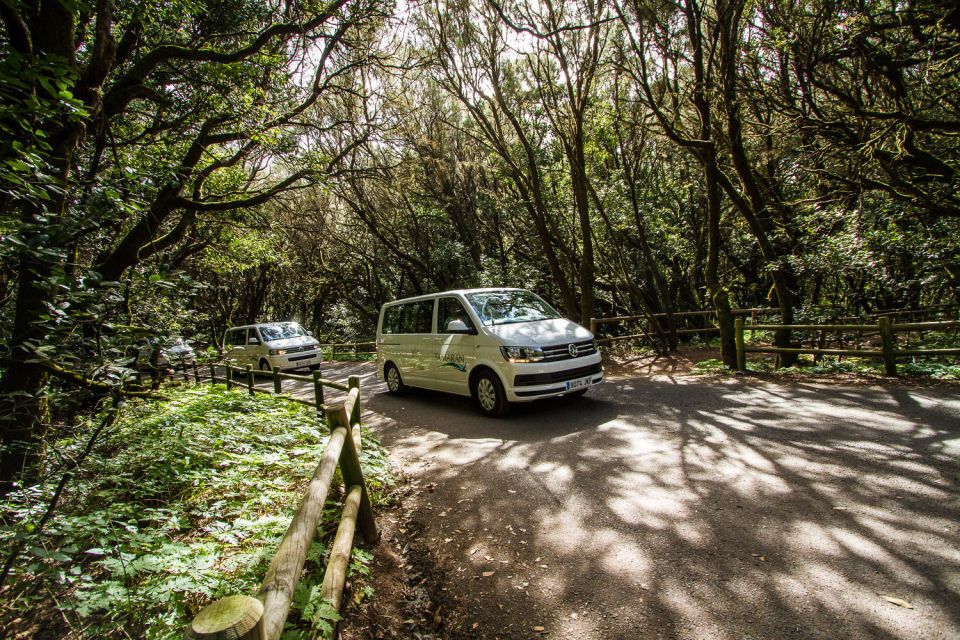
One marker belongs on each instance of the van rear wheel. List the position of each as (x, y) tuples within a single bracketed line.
[(394, 382), (490, 396), (265, 366)]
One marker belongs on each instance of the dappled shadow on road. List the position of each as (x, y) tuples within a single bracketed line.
[(702, 509), (456, 417)]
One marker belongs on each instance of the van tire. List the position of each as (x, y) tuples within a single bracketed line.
[(265, 366), (489, 395), (393, 379)]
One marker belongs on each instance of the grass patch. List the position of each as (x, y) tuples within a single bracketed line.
[(181, 502), (710, 366)]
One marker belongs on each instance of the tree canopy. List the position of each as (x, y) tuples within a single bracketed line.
[(182, 166)]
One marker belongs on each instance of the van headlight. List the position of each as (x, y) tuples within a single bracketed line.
[(522, 354), (278, 352)]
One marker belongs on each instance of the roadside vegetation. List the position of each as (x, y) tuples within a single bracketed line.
[(163, 505)]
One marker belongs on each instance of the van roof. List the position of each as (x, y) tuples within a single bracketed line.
[(430, 296)]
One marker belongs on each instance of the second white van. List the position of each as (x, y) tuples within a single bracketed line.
[(265, 345), (499, 346)]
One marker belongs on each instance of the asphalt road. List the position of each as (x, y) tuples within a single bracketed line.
[(692, 507)]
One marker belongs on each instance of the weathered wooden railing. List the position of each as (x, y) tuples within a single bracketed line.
[(885, 327), (921, 314), (707, 316), (353, 349), (262, 617), (189, 371), (247, 378)]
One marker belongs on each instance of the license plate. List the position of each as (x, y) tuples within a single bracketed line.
[(579, 382)]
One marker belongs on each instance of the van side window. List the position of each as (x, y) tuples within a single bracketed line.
[(450, 309), (391, 319), (253, 334), (236, 337), (417, 317)]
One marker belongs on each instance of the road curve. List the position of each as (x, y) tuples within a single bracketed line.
[(692, 507)]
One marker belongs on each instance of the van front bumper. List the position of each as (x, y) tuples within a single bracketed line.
[(533, 381), (296, 360)]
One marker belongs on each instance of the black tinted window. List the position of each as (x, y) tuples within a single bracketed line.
[(391, 319), (417, 317), (412, 317)]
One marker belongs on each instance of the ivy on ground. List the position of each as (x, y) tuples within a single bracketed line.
[(183, 501)]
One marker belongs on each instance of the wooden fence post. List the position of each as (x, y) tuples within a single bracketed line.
[(353, 382), (280, 582), (738, 339), (318, 392), (352, 473), (593, 327), (276, 380), (196, 373), (213, 373), (229, 376), (249, 368), (888, 342), (335, 576), (233, 617)]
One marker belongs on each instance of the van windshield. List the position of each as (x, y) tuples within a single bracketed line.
[(271, 332), (505, 307)]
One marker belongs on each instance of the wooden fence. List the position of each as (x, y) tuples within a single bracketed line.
[(936, 312), (683, 316), (354, 349), (263, 616), (886, 328)]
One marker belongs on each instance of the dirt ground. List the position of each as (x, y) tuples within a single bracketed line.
[(448, 569)]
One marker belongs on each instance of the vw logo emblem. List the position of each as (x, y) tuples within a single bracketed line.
[(572, 350)]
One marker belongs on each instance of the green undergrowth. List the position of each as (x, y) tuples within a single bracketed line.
[(833, 367), (182, 501)]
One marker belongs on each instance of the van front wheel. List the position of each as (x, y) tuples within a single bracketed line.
[(490, 396), (394, 382)]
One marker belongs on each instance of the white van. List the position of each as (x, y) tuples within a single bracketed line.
[(271, 344), (497, 345)]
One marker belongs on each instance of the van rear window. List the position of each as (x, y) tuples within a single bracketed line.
[(391, 319)]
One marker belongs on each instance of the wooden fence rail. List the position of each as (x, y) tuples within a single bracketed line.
[(262, 617), (349, 348), (682, 315), (923, 313), (885, 327)]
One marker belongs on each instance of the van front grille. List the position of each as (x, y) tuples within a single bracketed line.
[(533, 379), (557, 352), (298, 349)]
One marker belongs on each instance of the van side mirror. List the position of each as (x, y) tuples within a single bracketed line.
[(310, 333), (459, 326), (253, 341)]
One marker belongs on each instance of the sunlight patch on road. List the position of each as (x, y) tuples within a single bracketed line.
[(447, 450), (553, 473)]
